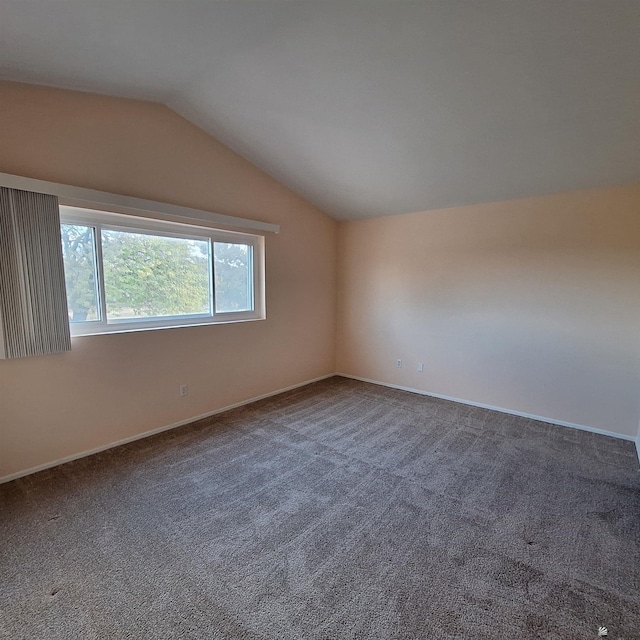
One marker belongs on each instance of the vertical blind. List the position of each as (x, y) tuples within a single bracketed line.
[(33, 303)]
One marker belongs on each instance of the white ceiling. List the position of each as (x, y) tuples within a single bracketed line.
[(367, 108)]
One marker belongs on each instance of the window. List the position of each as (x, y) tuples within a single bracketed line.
[(126, 273)]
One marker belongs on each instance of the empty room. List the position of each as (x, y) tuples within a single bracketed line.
[(319, 319)]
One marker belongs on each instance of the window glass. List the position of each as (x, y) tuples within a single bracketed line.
[(154, 276), (234, 277), (79, 253)]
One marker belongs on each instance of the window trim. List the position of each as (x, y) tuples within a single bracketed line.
[(80, 197), (121, 222)]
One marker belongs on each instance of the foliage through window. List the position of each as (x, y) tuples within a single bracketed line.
[(126, 273)]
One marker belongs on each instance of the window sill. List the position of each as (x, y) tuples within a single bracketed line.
[(138, 327)]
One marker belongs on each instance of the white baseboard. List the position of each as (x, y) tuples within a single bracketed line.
[(561, 423), (146, 434), (152, 432)]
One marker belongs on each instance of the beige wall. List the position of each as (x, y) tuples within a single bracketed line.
[(116, 386), (530, 305)]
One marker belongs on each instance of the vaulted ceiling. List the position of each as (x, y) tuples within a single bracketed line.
[(367, 107)]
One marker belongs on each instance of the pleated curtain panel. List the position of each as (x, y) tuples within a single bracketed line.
[(33, 302)]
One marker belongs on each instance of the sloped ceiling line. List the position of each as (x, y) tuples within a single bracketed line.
[(372, 108)]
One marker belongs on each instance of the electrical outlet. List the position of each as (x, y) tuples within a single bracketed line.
[(399, 363), (184, 390), (420, 367)]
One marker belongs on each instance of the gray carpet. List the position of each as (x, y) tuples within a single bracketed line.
[(338, 510)]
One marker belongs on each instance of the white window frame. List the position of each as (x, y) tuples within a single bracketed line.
[(100, 220)]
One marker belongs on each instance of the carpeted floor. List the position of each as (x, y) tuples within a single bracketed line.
[(338, 510)]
